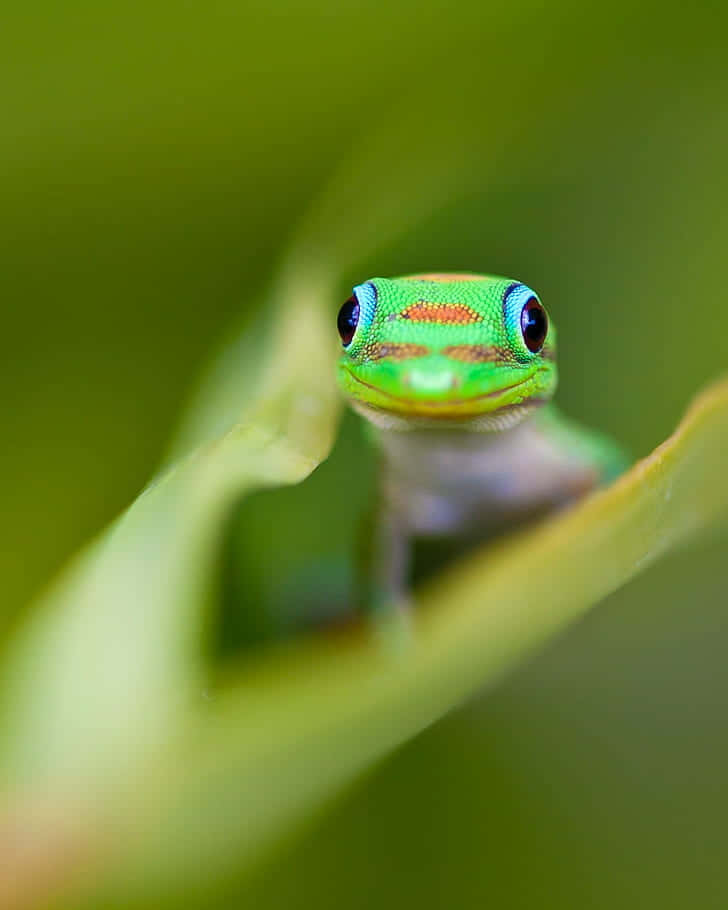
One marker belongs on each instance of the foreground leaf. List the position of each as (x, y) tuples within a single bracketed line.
[(286, 735)]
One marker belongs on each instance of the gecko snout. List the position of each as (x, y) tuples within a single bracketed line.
[(429, 382)]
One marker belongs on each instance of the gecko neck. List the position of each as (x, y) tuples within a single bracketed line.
[(457, 481)]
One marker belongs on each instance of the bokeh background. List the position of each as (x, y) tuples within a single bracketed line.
[(156, 159)]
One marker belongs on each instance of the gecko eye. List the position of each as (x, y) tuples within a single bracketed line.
[(534, 325), (347, 320)]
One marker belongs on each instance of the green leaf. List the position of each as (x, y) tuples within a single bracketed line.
[(289, 732)]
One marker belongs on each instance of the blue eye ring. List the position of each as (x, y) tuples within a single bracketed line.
[(357, 314), (526, 320)]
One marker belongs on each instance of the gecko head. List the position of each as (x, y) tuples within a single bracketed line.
[(446, 349)]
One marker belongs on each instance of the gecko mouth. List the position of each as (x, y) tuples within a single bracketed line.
[(446, 407)]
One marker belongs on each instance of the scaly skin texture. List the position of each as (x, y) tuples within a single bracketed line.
[(444, 348), (454, 373)]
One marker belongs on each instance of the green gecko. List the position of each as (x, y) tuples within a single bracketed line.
[(455, 374)]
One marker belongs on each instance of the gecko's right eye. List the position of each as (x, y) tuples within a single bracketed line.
[(347, 320)]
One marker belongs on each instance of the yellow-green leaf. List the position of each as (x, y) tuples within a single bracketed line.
[(291, 731)]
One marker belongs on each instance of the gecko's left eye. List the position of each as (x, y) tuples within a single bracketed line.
[(534, 325), (347, 320)]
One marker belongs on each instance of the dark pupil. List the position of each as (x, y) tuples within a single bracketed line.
[(534, 325), (347, 320)]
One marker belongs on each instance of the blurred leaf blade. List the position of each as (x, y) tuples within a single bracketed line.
[(291, 732), (127, 614)]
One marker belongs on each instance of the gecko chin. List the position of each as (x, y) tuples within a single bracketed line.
[(500, 419)]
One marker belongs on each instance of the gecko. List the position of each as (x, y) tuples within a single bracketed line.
[(454, 374)]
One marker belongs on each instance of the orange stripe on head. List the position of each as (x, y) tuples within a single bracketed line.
[(445, 277), (441, 313)]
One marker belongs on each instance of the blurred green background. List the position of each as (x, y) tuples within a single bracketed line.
[(155, 161)]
